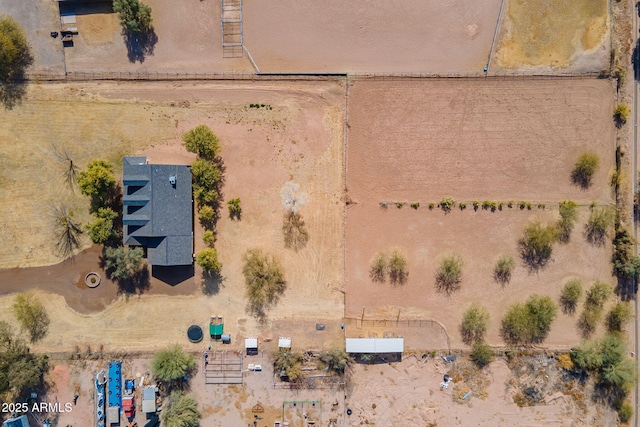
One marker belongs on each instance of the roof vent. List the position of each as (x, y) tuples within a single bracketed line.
[(172, 180)]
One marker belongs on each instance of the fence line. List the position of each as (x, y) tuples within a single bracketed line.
[(255, 76)]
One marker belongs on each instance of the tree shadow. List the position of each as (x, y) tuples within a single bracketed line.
[(138, 284), (211, 283), (11, 93), (140, 45), (295, 233)]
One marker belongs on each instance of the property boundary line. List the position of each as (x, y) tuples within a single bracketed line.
[(88, 75)]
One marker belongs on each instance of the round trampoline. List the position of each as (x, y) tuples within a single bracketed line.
[(194, 333)]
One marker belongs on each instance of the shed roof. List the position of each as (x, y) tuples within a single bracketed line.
[(251, 343), (375, 345), (284, 342)]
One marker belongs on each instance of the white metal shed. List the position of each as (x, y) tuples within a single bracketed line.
[(375, 345)]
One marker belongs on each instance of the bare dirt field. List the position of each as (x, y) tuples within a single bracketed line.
[(554, 34), (471, 140), (298, 138), (188, 39), (405, 36)]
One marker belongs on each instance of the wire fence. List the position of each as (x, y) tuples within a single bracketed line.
[(90, 75)]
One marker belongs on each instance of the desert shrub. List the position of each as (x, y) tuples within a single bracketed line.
[(568, 218), (522, 205), (536, 245), (481, 354), (619, 315), (474, 324), (209, 238), (529, 323), (462, 206), (565, 361), (449, 274), (207, 214), (31, 315), (625, 264), (124, 263), (180, 410), (379, 266), (264, 279), (202, 141), (621, 114), (431, 206), (625, 413), (475, 205), (208, 260), (415, 205), (172, 363), (398, 267), (584, 169), (134, 15), (510, 203), (570, 295), (335, 359), (598, 294), (289, 363), (399, 205), (599, 223), (447, 203), (235, 210), (503, 269)]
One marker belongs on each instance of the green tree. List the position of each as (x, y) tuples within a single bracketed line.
[(101, 229), (97, 182), (208, 260), (181, 410), (625, 412), (474, 324), (587, 356), (398, 267), (621, 114), (235, 210), (481, 354), (570, 295), (20, 370), (31, 315), (379, 266), (529, 323), (568, 218), (134, 15), (619, 315), (335, 359), (599, 223), (125, 262), (15, 54), (207, 215), (625, 264), (449, 274), (536, 245), (289, 363), (207, 177), (264, 279), (209, 238), (584, 169), (503, 269), (202, 141), (598, 294), (172, 363)]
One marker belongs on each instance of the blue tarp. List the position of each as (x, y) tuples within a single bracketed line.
[(115, 384)]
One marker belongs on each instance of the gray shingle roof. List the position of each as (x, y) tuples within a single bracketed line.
[(156, 213)]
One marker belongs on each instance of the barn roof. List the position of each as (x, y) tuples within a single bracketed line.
[(375, 345)]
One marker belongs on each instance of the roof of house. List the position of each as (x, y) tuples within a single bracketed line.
[(21, 421), (375, 345), (157, 210)]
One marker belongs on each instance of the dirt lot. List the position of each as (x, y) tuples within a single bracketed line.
[(334, 36), (554, 34), (299, 138), (471, 140)]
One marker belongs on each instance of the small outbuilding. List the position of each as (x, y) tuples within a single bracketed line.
[(251, 346), (216, 327), (284, 342), (377, 350), (149, 400)]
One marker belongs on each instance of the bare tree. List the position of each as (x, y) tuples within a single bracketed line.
[(67, 229)]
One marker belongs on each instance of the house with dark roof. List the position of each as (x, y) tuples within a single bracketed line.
[(158, 211)]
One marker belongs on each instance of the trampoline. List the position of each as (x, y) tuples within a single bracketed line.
[(194, 333)]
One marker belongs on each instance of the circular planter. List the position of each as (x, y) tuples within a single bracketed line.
[(194, 333), (92, 280)]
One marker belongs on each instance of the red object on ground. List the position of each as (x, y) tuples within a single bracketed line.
[(129, 406)]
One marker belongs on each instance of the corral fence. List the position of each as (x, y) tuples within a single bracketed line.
[(253, 76), (401, 323)]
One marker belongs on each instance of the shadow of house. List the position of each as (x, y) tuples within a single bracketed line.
[(158, 211), (173, 275)]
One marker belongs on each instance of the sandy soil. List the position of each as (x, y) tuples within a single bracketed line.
[(188, 39), (554, 34), (298, 139), (530, 134), (335, 36)]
